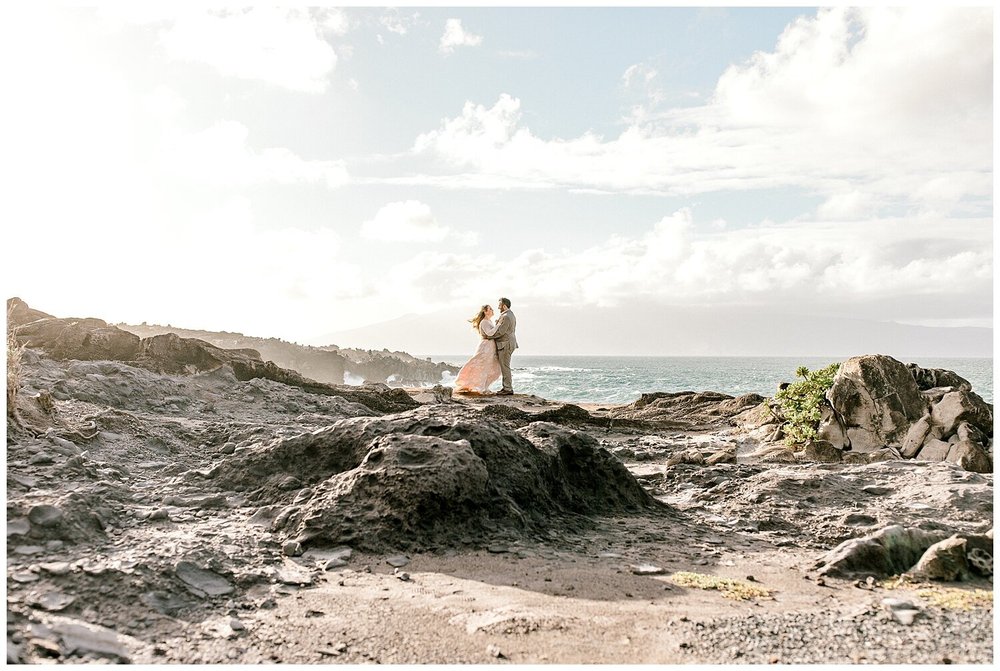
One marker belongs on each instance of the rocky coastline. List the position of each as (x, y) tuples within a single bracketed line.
[(173, 501), (329, 363)]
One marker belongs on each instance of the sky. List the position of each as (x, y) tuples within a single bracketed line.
[(294, 172)]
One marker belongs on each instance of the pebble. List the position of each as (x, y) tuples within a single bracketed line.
[(28, 549), (54, 601), (397, 561), (201, 582), (160, 514), (646, 569), (41, 459), (23, 576), (292, 549), (84, 638), (336, 562), (228, 448), (45, 515), (18, 526), (55, 568)]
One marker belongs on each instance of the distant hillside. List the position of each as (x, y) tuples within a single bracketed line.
[(330, 364)]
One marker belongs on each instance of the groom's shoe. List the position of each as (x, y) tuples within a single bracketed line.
[(505, 392)]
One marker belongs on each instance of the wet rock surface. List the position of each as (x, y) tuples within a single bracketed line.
[(204, 516)]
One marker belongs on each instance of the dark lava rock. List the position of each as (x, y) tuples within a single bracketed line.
[(95, 340), (687, 409), (433, 476)]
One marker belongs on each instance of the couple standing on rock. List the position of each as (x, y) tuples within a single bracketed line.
[(492, 359)]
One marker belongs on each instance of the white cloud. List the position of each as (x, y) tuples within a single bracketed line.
[(283, 47), (638, 74), (456, 36), (409, 221), (883, 269), (332, 19), (221, 156), (397, 23), (884, 106)]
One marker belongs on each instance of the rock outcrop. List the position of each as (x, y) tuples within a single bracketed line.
[(879, 408), (95, 340), (925, 555), (431, 477), (874, 401), (329, 364), (687, 408)]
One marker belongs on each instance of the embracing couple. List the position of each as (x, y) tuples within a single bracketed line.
[(492, 359)]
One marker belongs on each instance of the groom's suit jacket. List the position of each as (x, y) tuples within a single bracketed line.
[(504, 334)]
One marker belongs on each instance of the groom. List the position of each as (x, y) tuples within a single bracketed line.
[(506, 344)]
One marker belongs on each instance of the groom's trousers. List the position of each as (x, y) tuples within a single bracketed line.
[(504, 356)]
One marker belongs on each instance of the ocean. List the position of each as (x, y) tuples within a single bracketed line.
[(616, 379)]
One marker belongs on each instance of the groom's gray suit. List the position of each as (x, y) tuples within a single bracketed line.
[(506, 344)]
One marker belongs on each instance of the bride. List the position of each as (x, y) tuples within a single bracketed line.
[(483, 369)]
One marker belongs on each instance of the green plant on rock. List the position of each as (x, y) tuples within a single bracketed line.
[(800, 403)]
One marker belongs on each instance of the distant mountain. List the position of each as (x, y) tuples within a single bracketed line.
[(659, 331)]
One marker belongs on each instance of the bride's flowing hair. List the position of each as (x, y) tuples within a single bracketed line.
[(480, 316)]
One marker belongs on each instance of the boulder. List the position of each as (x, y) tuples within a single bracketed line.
[(916, 436), (970, 456), (888, 551), (945, 560), (929, 378), (968, 432), (830, 429), (934, 450), (959, 407), (877, 400), (821, 450)]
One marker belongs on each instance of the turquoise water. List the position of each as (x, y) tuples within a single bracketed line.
[(601, 379)]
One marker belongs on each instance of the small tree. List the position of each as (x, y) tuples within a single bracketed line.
[(801, 402)]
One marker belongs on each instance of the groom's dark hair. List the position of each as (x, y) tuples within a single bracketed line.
[(506, 302)]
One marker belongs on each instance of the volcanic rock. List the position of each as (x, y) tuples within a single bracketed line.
[(944, 560), (888, 551), (877, 400), (970, 456), (959, 407), (433, 477), (929, 378)]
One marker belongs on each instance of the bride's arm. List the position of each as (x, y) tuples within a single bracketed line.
[(487, 328)]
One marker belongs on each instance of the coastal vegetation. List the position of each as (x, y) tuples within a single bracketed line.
[(800, 403)]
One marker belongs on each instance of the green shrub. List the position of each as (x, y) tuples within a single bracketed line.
[(801, 401)]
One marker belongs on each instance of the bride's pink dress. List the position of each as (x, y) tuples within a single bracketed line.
[(483, 369)]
